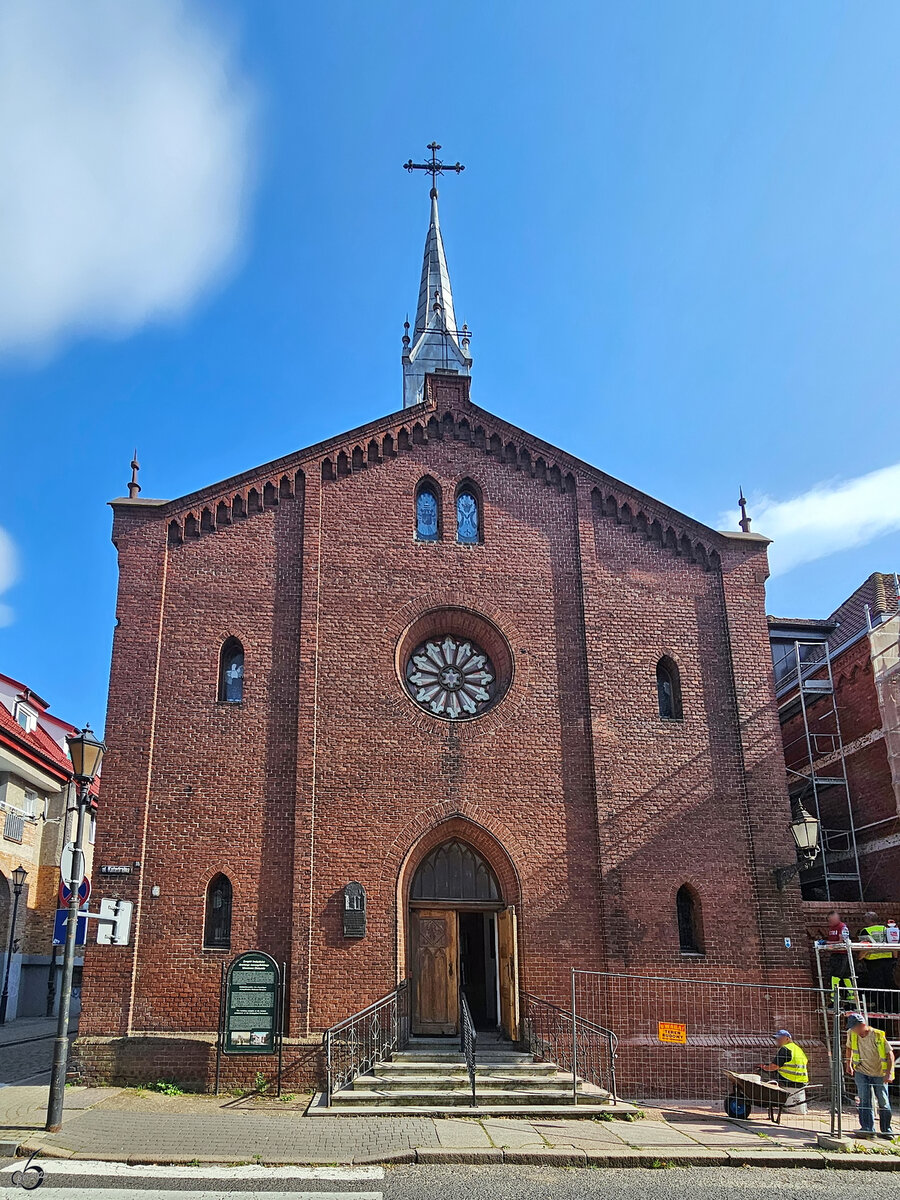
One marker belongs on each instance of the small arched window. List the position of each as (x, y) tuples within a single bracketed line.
[(231, 672), (690, 921), (468, 515), (668, 690), (428, 513), (217, 924)]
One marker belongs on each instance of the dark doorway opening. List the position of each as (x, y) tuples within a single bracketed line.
[(478, 966)]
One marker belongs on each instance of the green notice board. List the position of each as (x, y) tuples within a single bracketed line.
[(251, 1005)]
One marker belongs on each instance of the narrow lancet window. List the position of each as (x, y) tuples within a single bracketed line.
[(231, 672), (427, 513), (217, 924), (668, 690), (690, 936), (468, 516)]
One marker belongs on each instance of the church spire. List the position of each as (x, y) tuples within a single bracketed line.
[(437, 345)]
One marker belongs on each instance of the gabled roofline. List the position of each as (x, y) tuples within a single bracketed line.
[(422, 414)]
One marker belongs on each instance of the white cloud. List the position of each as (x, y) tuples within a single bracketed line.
[(831, 516), (124, 160), (9, 571)]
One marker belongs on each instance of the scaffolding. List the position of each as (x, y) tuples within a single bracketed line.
[(885, 642), (814, 758)]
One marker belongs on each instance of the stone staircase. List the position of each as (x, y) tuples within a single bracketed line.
[(430, 1077)]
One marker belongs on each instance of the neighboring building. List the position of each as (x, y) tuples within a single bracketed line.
[(527, 707), (841, 736), (36, 790)]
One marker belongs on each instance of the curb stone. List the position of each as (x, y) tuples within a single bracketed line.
[(558, 1156), (776, 1158), (398, 1156), (478, 1154), (866, 1162)]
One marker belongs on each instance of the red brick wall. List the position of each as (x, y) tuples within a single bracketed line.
[(591, 808)]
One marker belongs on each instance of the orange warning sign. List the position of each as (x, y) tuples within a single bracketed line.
[(675, 1035)]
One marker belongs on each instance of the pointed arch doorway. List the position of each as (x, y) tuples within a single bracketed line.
[(462, 936)]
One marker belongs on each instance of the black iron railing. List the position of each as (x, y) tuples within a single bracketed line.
[(355, 1045), (575, 1044), (467, 1037)]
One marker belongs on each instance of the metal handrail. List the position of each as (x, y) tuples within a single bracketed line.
[(572, 1042), (354, 1045), (467, 1039)]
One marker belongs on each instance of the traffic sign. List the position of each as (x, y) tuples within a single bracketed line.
[(84, 892), (68, 868), (59, 928)]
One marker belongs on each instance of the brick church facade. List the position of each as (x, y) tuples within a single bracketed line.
[(443, 659)]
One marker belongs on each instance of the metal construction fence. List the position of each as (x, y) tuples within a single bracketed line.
[(677, 1038)]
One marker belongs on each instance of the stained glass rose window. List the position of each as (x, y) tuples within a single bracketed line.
[(451, 677)]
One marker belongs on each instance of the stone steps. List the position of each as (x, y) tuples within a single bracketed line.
[(431, 1077)]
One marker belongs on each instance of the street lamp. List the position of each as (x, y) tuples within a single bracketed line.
[(86, 754), (19, 876), (805, 832)]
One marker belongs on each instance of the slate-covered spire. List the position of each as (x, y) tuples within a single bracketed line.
[(437, 345)]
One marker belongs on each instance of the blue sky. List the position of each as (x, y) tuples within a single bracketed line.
[(676, 241)]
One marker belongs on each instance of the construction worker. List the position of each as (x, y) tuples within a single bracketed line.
[(879, 965), (870, 1060), (791, 1066), (838, 964)]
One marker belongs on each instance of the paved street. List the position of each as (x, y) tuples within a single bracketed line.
[(100, 1181), (26, 1049)]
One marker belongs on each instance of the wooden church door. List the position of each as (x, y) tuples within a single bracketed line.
[(435, 946)]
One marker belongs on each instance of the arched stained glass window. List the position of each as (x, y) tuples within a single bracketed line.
[(454, 871), (468, 516), (690, 925), (427, 513), (231, 672), (217, 924), (668, 690)]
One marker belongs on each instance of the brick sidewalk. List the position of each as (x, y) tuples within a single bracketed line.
[(126, 1125)]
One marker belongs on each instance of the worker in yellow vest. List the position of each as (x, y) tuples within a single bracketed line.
[(791, 1066), (870, 1060), (878, 966)]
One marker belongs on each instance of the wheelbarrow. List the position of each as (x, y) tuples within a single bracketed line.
[(747, 1090)]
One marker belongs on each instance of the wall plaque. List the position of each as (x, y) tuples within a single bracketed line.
[(354, 911)]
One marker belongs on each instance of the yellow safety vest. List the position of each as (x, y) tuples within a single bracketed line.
[(880, 1042), (878, 935), (795, 1070)]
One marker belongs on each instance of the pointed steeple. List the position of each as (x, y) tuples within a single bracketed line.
[(438, 347), (435, 276)]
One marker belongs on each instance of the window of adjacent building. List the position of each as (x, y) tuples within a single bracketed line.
[(428, 513), (231, 672), (26, 717), (690, 925), (468, 515), (30, 804), (217, 925), (668, 690), (92, 830), (14, 826)]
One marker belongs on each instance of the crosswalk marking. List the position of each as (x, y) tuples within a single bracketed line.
[(125, 1193), (254, 1171)]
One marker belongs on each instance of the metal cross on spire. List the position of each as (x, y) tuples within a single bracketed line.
[(434, 168)]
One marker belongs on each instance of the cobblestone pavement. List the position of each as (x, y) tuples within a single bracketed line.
[(26, 1049)]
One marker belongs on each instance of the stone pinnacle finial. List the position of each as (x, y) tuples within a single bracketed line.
[(745, 520), (134, 487)]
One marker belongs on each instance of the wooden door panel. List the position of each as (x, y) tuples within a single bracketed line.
[(435, 968), (507, 945)]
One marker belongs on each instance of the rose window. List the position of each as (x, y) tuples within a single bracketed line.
[(451, 677)]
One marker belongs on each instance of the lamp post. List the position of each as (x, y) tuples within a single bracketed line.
[(86, 754), (19, 876), (805, 832)]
